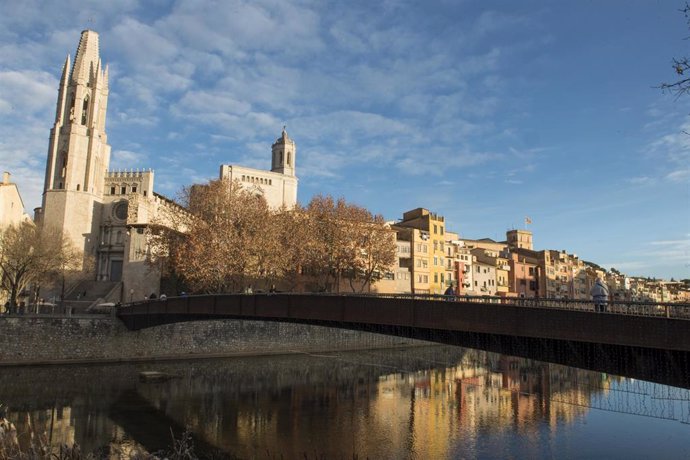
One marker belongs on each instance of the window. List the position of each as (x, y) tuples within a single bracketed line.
[(84, 110), (134, 189), (441, 230), (419, 262), (426, 278), (288, 159), (435, 229), (435, 277), (435, 246), (144, 192), (442, 280), (435, 261), (77, 187), (123, 189), (479, 270), (531, 270), (112, 190)]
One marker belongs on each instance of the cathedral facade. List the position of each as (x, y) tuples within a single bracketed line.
[(105, 213)]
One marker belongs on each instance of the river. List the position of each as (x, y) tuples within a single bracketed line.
[(432, 402)]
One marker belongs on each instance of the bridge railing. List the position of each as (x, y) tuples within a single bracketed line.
[(631, 308)]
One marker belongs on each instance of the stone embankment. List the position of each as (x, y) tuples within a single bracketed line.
[(55, 340)]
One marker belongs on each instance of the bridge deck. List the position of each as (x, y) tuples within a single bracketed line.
[(644, 325)]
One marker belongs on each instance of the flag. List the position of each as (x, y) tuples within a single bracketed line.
[(528, 221)]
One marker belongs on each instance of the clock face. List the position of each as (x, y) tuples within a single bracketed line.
[(120, 210)]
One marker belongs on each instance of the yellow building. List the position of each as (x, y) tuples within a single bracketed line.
[(428, 250)]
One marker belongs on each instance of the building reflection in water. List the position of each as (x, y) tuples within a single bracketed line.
[(431, 402)]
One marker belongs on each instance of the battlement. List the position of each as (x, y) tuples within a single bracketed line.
[(125, 173), (127, 181)]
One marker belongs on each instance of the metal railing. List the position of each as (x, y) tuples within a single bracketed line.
[(627, 308)]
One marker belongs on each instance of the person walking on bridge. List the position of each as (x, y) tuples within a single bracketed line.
[(600, 295), (450, 294)]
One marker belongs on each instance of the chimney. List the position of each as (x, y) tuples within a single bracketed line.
[(5, 178)]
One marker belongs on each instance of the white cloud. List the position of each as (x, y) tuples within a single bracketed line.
[(125, 159), (27, 92), (680, 175)]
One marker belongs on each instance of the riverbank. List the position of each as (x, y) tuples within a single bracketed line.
[(46, 340)]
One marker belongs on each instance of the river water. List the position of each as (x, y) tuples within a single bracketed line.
[(432, 402)]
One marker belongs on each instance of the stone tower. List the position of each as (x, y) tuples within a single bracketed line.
[(521, 239), (78, 152), (284, 153)]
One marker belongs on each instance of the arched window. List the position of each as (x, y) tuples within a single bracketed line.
[(63, 171), (281, 157), (77, 187), (288, 158)]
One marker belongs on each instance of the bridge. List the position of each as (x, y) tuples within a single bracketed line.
[(646, 341), (437, 318)]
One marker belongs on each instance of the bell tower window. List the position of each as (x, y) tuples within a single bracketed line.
[(288, 159), (84, 110)]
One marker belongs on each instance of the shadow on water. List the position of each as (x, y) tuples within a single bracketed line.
[(659, 366), (151, 427)]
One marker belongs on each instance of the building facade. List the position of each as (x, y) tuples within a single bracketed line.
[(106, 213)]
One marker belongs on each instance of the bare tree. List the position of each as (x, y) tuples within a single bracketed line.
[(681, 66), (224, 241), (296, 246), (348, 242), (30, 254), (377, 252)]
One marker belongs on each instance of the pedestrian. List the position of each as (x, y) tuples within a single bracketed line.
[(450, 294), (600, 295), (272, 289), (249, 290)]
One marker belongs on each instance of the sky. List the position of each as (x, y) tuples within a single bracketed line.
[(486, 112)]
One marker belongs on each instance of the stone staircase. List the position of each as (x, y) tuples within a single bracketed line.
[(89, 292)]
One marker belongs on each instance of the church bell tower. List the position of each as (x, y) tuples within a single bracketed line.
[(78, 152), (284, 153)]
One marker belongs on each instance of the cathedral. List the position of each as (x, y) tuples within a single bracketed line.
[(104, 212)]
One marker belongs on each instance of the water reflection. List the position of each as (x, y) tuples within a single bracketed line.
[(429, 402)]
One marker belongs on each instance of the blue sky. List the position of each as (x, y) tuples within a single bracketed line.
[(484, 112)]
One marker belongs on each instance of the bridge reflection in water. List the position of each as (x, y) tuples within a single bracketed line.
[(641, 340), (383, 403)]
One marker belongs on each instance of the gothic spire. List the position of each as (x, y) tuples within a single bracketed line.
[(87, 56), (63, 90)]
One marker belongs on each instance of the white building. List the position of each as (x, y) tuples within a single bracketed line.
[(279, 185), (11, 204)]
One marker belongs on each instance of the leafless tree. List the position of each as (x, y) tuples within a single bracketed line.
[(31, 254), (681, 66)]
